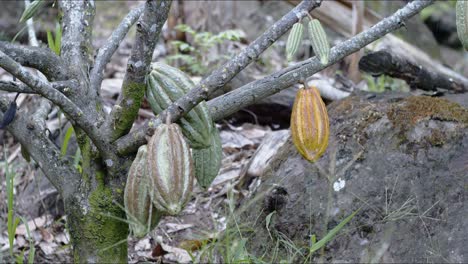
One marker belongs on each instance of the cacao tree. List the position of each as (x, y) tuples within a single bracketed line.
[(72, 82)]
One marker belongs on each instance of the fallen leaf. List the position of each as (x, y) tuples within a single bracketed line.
[(158, 251), (173, 227)]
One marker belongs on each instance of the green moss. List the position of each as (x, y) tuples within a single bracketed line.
[(106, 231), (417, 108), (94, 234), (414, 109), (133, 94)]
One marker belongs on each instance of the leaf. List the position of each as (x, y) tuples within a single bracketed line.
[(20, 257), (25, 153), (58, 38), (331, 234), (32, 249), (268, 220), (313, 239), (32, 9), (50, 41), (66, 139)]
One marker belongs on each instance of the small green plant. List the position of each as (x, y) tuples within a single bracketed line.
[(384, 83), (12, 220), (194, 56), (54, 41)]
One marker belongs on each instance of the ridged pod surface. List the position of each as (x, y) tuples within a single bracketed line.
[(208, 161), (294, 40), (141, 213), (309, 124), (462, 22), (166, 84), (319, 40), (170, 167)]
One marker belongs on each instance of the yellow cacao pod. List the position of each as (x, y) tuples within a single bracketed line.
[(170, 169), (141, 213), (309, 124)]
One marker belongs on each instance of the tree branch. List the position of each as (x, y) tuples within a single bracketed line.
[(250, 93), (86, 122), (41, 59), (219, 77), (233, 101), (77, 51), (105, 53), (65, 87), (32, 136), (417, 76), (149, 27)]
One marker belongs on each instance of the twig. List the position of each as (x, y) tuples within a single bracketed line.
[(77, 21), (42, 59), (219, 77), (42, 150), (417, 76), (252, 92), (46, 90), (65, 87), (149, 27), (105, 53)]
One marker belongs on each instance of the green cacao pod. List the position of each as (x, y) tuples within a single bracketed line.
[(462, 22), (166, 84), (141, 213), (170, 167), (208, 160), (294, 40), (319, 40), (309, 124)]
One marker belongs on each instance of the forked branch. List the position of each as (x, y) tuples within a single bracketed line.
[(219, 77), (274, 83)]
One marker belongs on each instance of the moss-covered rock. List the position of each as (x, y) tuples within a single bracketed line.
[(400, 159)]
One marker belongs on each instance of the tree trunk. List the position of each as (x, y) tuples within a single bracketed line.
[(97, 237)]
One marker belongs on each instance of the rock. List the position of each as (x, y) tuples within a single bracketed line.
[(400, 160)]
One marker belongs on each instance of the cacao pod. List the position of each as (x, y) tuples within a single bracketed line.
[(461, 11), (294, 40), (309, 124), (141, 213), (208, 160), (170, 167), (319, 40), (166, 84)]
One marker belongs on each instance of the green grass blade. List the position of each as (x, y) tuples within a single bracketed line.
[(58, 38), (32, 249), (66, 139), (32, 9), (50, 41), (332, 233)]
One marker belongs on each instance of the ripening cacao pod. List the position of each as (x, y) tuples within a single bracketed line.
[(170, 167), (208, 160), (309, 124), (166, 84), (294, 40), (461, 11), (141, 213), (319, 40)]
